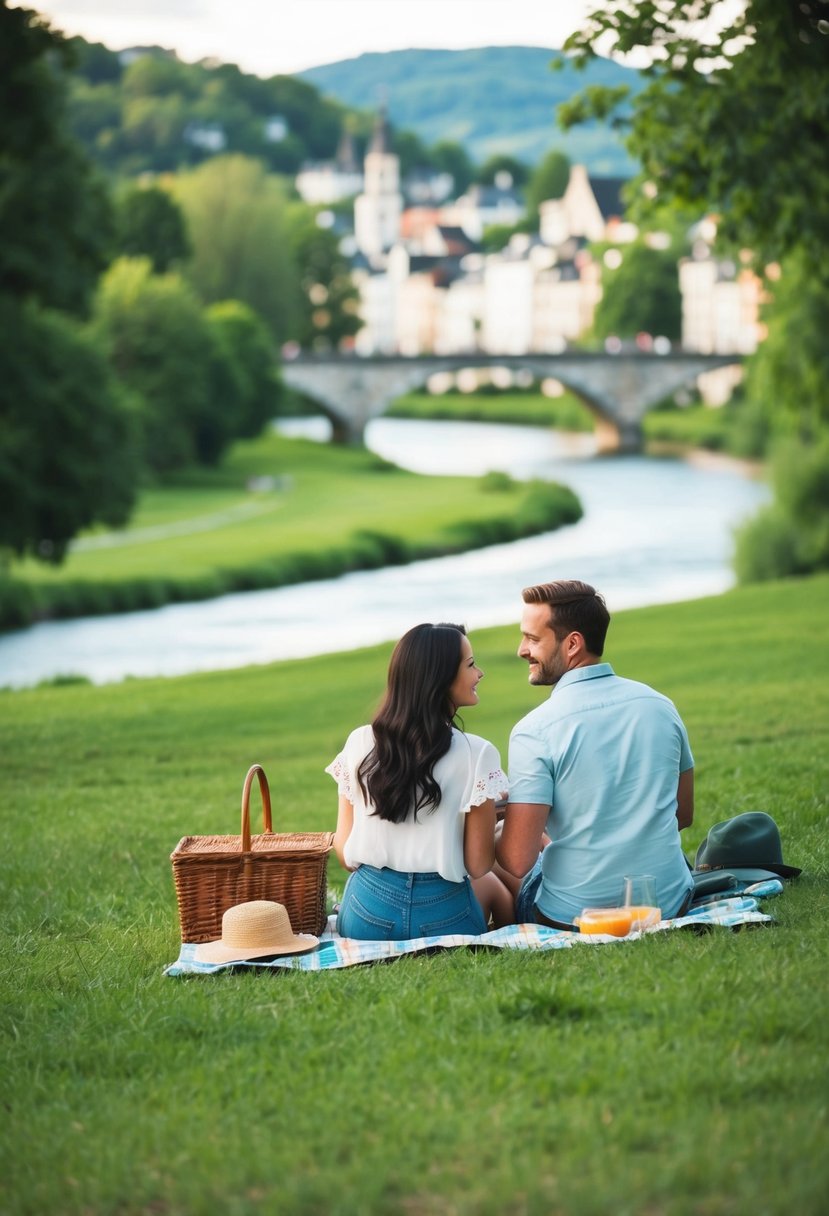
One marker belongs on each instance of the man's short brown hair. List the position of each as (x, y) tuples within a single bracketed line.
[(574, 608)]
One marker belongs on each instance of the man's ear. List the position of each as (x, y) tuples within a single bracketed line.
[(575, 646)]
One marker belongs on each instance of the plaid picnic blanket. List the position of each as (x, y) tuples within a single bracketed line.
[(334, 951)]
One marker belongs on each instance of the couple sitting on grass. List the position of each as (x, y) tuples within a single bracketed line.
[(601, 782)]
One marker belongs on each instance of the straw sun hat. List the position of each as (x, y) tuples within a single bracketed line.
[(254, 929)]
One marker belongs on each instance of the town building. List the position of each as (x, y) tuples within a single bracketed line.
[(426, 285)]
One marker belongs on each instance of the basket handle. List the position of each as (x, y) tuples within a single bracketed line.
[(255, 770)]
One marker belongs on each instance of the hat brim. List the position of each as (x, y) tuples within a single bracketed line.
[(757, 874), (218, 952)]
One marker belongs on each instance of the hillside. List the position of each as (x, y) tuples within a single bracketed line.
[(490, 100)]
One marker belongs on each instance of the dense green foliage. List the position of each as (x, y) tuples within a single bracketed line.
[(641, 295), (548, 180), (55, 216), (249, 388), (731, 121), (157, 113), (734, 123), (683, 1074), (328, 313), (150, 224), (68, 453), (278, 511), (237, 221), (66, 440), (155, 334)]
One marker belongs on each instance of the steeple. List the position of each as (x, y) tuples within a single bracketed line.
[(378, 209), (381, 135), (346, 158)]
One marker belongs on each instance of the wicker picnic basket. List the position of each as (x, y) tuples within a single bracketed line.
[(213, 873)]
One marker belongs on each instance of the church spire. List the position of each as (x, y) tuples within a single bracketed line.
[(381, 136)]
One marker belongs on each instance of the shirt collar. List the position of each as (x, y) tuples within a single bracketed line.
[(594, 671)]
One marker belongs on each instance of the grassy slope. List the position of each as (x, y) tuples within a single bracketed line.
[(676, 1075), (327, 510), (329, 493)]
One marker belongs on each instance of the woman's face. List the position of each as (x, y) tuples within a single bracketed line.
[(463, 689)]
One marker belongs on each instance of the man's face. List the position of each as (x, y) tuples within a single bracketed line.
[(540, 646)]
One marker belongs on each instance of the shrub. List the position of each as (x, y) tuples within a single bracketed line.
[(792, 535)]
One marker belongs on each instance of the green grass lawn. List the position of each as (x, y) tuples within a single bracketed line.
[(693, 426), (680, 1075), (328, 510), (566, 412)]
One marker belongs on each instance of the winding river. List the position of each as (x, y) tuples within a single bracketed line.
[(653, 531)]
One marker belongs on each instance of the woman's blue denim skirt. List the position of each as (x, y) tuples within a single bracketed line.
[(387, 905)]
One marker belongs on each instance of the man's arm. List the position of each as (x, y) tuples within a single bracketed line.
[(685, 799), (522, 836)]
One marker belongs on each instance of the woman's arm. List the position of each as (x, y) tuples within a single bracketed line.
[(479, 839), (345, 822)]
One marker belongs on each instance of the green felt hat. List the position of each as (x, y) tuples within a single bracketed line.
[(748, 845)]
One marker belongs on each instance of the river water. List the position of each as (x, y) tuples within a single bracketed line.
[(654, 531)]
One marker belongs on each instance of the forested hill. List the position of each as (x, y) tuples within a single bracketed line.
[(491, 100)]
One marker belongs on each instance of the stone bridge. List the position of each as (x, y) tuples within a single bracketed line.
[(618, 389)]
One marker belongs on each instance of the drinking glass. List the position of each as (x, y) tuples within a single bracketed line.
[(639, 895)]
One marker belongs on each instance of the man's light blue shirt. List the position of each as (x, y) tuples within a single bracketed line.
[(605, 754)]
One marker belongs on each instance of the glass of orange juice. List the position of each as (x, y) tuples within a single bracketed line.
[(615, 921), (639, 898)]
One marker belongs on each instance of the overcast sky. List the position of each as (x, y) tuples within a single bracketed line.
[(272, 37)]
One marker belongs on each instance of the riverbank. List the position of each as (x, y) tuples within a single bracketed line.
[(280, 511), (652, 531), (678, 431), (350, 1091)]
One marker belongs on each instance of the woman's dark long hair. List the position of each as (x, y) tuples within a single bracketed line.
[(413, 726)]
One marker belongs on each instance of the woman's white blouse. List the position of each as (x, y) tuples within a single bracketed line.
[(468, 774)]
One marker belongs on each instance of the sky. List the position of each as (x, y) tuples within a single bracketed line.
[(280, 37)]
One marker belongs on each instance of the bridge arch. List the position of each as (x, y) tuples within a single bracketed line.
[(618, 389)]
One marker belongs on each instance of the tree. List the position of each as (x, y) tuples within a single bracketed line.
[(158, 342), (68, 456), (67, 449), (330, 302), (733, 120), (788, 376), (237, 220), (150, 223), (247, 361), (502, 163), (55, 214), (733, 117), (450, 157), (641, 294), (548, 180)]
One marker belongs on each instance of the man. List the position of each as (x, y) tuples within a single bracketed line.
[(603, 767)]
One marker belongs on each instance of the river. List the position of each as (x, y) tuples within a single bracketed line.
[(654, 531)]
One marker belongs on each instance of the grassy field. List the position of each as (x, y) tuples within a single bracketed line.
[(566, 412), (323, 510), (680, 1075)]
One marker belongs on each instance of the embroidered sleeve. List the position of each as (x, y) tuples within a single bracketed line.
[(491, 785), (490, 780), (339, 770)]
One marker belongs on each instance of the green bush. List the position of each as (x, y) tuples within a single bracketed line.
[(792, 535), (495, 482)]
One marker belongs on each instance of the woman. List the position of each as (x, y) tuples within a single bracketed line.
[(417, 801)]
